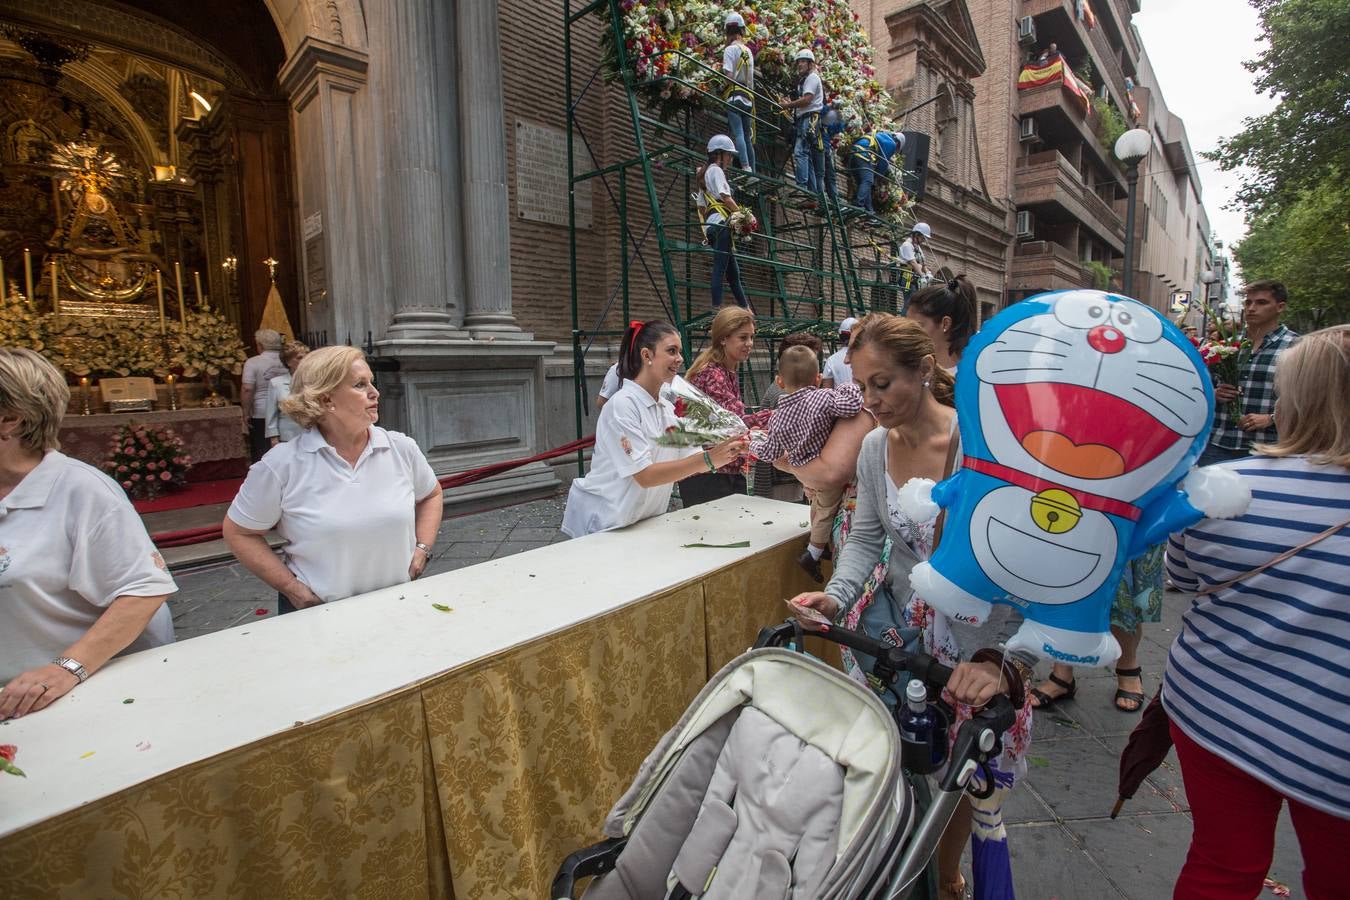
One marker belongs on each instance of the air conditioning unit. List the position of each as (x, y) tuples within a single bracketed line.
[(1026, 30), (1027, 130), (1026, 224)]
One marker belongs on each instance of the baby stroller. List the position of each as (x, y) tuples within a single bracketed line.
[(785, 778)]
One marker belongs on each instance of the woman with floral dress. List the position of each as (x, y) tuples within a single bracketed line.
[(730, 342), (912, 398)]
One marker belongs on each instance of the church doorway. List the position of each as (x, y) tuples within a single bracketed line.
[(144, 149)]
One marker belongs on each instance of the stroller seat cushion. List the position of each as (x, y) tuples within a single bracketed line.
[(771, 798)]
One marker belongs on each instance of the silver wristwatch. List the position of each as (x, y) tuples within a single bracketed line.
[(73, 667), (425, 548)]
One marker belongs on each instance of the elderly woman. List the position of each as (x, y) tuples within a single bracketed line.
[(358, 506), (283, 428), (259, 370), (1257, 684), (80, 581)]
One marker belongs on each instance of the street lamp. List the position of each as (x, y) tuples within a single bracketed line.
[(1208, 278), (1131, 148)]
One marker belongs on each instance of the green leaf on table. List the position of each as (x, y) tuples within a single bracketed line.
[(732, 546), (442, 607), (129, 700), (1039, 762), (7, 766)]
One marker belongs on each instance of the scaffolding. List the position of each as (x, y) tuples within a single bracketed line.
[(816, 260)]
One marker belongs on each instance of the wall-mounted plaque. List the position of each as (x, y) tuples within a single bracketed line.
[(541, 175)]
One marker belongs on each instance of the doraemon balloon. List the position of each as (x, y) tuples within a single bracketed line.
[(1080, 414)]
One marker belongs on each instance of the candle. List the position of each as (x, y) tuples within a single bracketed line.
[(178, 278), (4, 285), (28, 274), (197, 280), (56, 291), (159, 293)]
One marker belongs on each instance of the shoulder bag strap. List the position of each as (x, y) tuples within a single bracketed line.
[(953, 447), (1292, 551)]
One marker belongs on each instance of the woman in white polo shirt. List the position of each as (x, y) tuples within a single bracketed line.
[(80, 581), (358, 506), (630, 473)]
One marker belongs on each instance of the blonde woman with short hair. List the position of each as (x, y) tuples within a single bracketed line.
[(80, 581), (1257, 684), (359, 506)]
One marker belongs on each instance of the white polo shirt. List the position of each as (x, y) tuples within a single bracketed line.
[(258, 371), (350, 529), (71, 544), (837, 367), (625, 437), (610, 386)]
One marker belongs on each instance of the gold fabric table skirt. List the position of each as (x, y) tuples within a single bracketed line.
[(472, 784)]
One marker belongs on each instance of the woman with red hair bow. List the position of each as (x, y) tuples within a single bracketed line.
[(631, 473)]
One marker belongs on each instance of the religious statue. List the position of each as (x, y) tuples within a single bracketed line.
[(97, 250)]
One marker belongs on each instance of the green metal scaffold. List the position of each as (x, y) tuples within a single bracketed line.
[(815, 261)]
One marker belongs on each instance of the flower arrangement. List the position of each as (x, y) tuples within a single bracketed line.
[(701, 421), (675, 50), (147, 460), (20, 324), (743, 224), (83, 345), (1222, 354), (207, 345)]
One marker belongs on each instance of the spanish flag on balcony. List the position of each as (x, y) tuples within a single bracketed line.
[(1038, 74)]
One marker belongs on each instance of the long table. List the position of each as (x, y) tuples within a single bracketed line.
[(212, 436), (381, 747)]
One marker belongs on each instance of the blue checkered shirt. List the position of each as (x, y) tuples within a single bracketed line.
[(1257, 376)]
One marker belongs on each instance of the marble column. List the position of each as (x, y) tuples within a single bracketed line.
[(486, 205), (422, 287)]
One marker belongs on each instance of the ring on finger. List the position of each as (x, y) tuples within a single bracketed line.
[(45, 689)]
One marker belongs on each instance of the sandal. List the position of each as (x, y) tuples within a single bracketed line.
[(1136, 697), (1042, 700)]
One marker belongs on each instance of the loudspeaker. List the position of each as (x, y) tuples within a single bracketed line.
[(916, 164)]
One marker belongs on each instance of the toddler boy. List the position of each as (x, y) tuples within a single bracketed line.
[(799, 428)]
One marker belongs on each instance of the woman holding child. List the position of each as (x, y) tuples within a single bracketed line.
[(911, 397), (630, 473)]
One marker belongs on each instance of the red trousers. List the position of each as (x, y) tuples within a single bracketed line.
[(1234, 833)]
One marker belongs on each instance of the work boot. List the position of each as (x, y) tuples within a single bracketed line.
[(811, 565)]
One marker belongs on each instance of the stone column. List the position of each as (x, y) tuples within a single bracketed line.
[(421, 285), (486, 205)]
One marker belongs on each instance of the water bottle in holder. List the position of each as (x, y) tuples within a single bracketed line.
[(922, 731)]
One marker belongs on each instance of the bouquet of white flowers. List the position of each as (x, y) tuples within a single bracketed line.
[(702, 422)]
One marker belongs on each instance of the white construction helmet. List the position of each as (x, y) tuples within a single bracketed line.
[(804, 53), (921, 228), (734, 18), (721, 142), (899, 138)]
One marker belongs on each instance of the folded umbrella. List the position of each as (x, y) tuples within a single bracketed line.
[(1144, 752)]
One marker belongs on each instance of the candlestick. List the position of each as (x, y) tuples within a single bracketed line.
[(28, 274), (4, 285), (84, 396), (56, 291), (173, 394), (182, 310), (197, 280), (159, 293)]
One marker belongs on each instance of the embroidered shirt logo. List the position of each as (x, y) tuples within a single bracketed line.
[(4, 559), (626, 444), (156, 558)]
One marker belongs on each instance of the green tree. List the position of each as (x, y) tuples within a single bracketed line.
[(1296, 200), (1307, 135)]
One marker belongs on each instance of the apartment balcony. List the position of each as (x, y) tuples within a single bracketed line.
[(1045, 266), (1058, 22), (1063, 118), (1053, 189)]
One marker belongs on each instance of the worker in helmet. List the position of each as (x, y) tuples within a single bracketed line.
[(738, 67), (914, 271), (715, 206), (872, 160), (809, 149)]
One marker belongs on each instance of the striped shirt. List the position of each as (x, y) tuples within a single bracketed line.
[(1260, 674)]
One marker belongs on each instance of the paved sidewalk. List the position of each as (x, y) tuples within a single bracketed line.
[(1063, 843)]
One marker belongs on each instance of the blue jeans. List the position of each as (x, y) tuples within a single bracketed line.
[(808, 158), (864, 170), (741, 126), (724, 266)]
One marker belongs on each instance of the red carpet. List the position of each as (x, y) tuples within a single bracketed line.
[(197, 493)]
